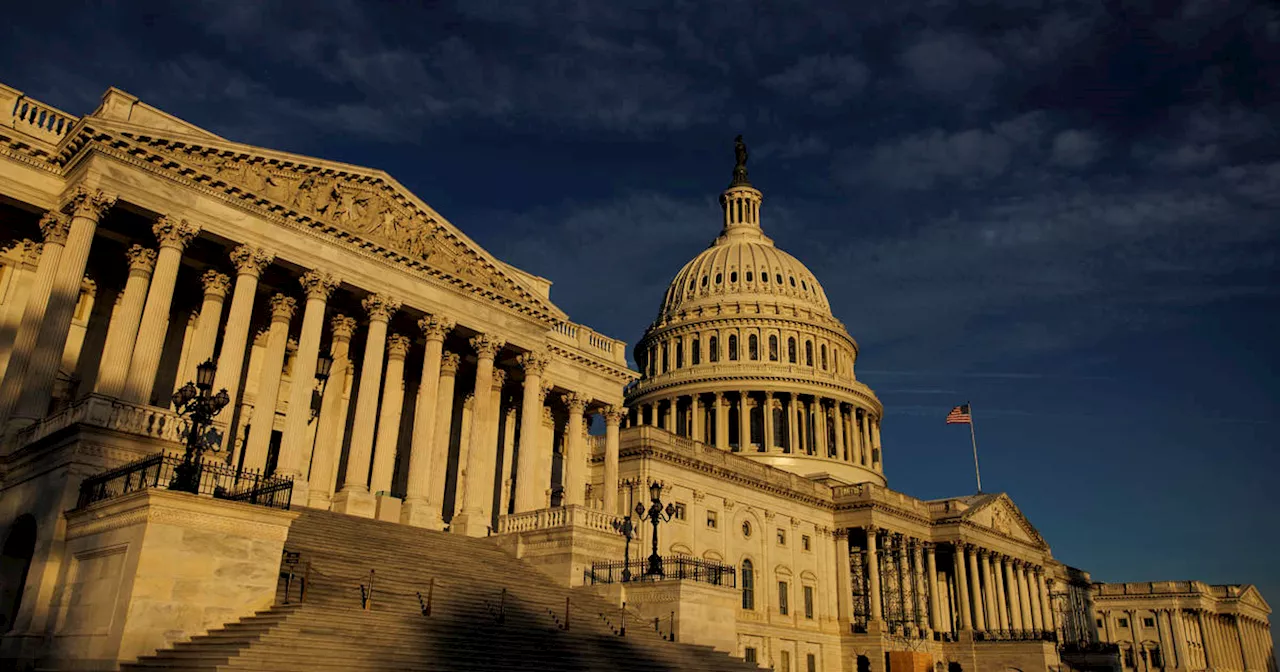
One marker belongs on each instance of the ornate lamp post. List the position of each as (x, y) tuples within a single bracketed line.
[(627, 530), (195, 401), (324, 365), (656, 514)]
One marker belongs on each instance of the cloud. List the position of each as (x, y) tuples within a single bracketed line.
[(921, 160), (824, 79), (1074, 148), (950, 64)]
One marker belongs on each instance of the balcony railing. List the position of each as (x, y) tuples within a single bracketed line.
[(216, 480), (558, 517), (675, 567)]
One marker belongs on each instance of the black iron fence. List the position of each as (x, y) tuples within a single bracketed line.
[(676, 567), (219, 481)]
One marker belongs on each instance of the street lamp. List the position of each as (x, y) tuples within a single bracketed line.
[(324, 365), (627, 530), (195, 401), (656, 515)]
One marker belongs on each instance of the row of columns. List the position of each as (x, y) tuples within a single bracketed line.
[(135, 341), (851, 433), (1193, 639), (787, 348), (999, 593)]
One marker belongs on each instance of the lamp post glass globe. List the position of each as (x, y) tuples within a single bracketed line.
[(195, 401)]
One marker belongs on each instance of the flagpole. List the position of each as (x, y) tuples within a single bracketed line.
[(974, 438)]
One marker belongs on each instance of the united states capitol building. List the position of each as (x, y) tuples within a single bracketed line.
[(403, 472)]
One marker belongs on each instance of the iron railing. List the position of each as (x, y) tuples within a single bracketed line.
[(217, 480), (676, 567)]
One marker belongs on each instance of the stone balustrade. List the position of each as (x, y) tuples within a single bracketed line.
[(562, 517), (33, 117), (870, 492), (589, 341), (105, 412)]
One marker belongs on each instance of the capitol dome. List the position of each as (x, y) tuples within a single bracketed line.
[(745, 355)]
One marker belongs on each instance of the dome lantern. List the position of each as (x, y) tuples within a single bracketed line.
[(741, 201)]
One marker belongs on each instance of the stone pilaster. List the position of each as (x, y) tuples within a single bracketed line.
[(267, 396), (332, 421), (113, 368), (28, 252), (529, 485), (355, 498), (295, 452), (479, 473), (173, 234), (250, 262), (418, 510)]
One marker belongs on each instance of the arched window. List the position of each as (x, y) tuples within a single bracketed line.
[(773, 348), (733, 348), (680, 353), (808, 353), (653, 362), (704, 281), (713, 349), (791, 350), (778, 277), (719, 277), (753, 347), (748, 276), (695, 351), (793, 281), (733, 277), (665, 352), (824, 357), (748, 585), (764, 277)]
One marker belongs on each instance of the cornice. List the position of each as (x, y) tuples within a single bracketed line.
[(647, 450), (622, 374), (647, 388), (762, 320)]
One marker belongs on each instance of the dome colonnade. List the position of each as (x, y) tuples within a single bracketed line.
[(745, 355)]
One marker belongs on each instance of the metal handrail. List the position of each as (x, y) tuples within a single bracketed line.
[(677, 567), (366, 593), (218, 480)]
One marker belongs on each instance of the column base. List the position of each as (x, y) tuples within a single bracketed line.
[(318, 499), (470, 523), (355, 503), (421, 513), (388, 508), (302, 493)]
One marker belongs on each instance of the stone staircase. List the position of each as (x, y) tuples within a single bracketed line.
[(473, 625)]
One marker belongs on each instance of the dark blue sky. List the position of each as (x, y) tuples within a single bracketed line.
[(1065, 212)]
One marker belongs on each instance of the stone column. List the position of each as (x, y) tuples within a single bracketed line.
[(975, 588), (20, 292), (443, 431), (205, 338), (875, 444), (113, 368), (388, 436), (931, 580), (744, 421), (529, 486), (295, 453), (35, 387), (490, 427), (418, 510), (1033, 592), (699, 418), (173, 234), (547, 441), (766, 414), (250, 262), (1024, 597), (820, 428), (793, 440), (917, 600), (988, 590), (53, 227), (508, 454), (332, 421), (266, 398), (1011, 594), (873, 577), (471, 521), (842, 450), (574, 459), (1046, 602), (844, 579), (355, 498), (962, 586), (1167, 649), (612, 416), (722, 422), (1002, 601), (1179, 637)]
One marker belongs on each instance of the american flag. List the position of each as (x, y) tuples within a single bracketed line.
[(960, 415)]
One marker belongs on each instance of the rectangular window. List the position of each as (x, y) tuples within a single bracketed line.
[(1148, 622), (711, 519), (782, 537), (786, 661), (811, 662), (749, 654), (1128, 657), (679, 514), (782, 598), (804, 542), (808, 602), (1123, 622), (1099, 622)]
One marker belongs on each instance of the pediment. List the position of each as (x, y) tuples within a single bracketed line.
[(1253, 598), (999, 514), (359, 205)]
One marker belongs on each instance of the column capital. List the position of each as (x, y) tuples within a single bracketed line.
[(841, 533), (468, 402), (54, 227), (486, 345), (534, 363), (871, 530), (282, 308), (260, 337), (613, 415), (397, 346), (380, 307), (318, 284), (31, 252), (343, 327), (87, 202), (250, 260), (499, 379), (984, 553), (543, 391), (435, 328), (174, 233), (577, 403), (215, 284), (929, 546), (449, 362), (142, 260)]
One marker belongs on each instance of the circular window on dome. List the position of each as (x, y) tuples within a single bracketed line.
[(748, 276), (746, 529), (793, 281), (733, 277), (719, 277)]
